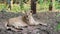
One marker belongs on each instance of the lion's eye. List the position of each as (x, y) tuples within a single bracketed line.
[(26, 16)]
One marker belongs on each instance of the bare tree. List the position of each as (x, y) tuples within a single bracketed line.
[(9, 3), (53, 4), (50, 5), (33, 6)]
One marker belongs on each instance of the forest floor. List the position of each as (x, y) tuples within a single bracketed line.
[(51, 18)]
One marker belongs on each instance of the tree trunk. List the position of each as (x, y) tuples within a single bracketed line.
[(11, 4), (50, 5), (33, 6), (53, 2)]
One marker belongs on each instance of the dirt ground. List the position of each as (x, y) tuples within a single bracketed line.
[(45, 17)]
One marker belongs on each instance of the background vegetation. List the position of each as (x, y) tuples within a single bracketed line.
[(25, 6)]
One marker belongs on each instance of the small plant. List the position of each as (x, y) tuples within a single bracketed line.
[(58, 25)]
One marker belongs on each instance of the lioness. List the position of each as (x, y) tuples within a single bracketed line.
[(17, 22), (31, 19)]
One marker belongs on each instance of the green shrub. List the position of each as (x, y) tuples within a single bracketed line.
[(2, 6)]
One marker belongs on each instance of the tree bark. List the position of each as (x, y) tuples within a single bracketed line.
[(33, 6), (11, 3), (53, 2), (50, 5)]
